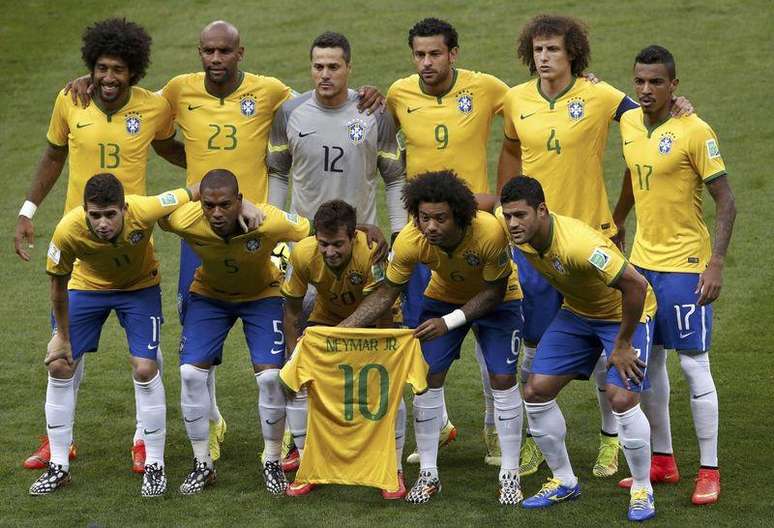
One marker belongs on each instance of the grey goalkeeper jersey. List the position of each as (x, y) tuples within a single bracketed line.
[(330, 153)]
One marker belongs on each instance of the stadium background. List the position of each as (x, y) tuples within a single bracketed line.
[(725, 56)]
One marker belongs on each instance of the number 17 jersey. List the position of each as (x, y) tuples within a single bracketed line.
[(356, 378)]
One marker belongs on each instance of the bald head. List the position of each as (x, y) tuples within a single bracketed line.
[(220, 29), (221, 53)]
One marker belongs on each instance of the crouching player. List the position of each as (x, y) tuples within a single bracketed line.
[(607, 305), (473, 285), (339, 264), (236, 280), (101, 259)]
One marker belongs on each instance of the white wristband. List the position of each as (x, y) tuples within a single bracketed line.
[(455, 319), (28, 209)]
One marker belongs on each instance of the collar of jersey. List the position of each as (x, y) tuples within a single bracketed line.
[(110, 114), (239, 84), (439, 97), (651, 129), (552, 101)]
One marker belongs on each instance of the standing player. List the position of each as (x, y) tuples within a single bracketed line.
[(101, 259), (556, 130), (112, 135), (670, 160), (445, 114), (236, 280), (337, 262), (607, 305), (472, 286)]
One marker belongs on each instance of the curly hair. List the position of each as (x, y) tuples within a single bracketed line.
[(117, 37), (576, 40), (430, 27), (333, 215), (103, 190), (437, 187)]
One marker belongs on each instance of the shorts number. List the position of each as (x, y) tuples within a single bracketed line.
[(231, 266), (109, 155), (349, 391), (345, 298), (553, 142), (121, 260), (441, 137), (644, 173), (684, 319), (278, 333), (329, 165), (229, 134), (155, 328)]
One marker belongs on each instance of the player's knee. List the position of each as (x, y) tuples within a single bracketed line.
[(145, 371), (502, 381), (60, 369), (696, 368), (621, 400), (537, 392), (192, 378)]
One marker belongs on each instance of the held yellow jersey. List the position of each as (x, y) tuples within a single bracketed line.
[(238, 269), (339, 292), (355, 379), (582, 264), (483, 256), (109, 142), (562, 144), (230, 132), (125, 263), (670, 164), (448, 131)]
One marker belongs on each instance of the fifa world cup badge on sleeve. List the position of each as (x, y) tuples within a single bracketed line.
[(599, 259)]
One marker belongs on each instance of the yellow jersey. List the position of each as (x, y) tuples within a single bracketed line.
[(670, 163), (126, 263), (339, 292), (562, 144), (449, 131), (482, 256), (227, 133), (114, 142), (355, 379), (238, 269), (583, 264)]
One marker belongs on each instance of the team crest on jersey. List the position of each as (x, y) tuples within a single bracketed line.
[(355, 278), (576, 108), (252, 245), (472, 258), (356, 130), (136, 236), (465, 102), (247, 105), (133, 123), (665, 143)]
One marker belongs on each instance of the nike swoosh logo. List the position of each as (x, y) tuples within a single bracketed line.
[(83, 125), (275, 421), (510, 361), (409, 110), (632, 448), (145, 431), (703, 394), (301, 134), (55, 426), (152, 347), (627, 142), (683, 336), (192, 421), (298, 436), (192, 108), (500, 418), (557, 498), (525, 116), (706, 495), (425, 420), (276, 351)]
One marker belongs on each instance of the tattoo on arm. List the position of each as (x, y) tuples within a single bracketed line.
[(372, 307), (725, 214), (486, 300)]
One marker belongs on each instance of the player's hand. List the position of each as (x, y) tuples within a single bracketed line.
[(710, 283), (431, 329), (681, 107), (590, 77), (626, 362), (374, 235), (370, 100), (80, 88), (58, 348), (250, 217), (619, 239), (24, 239)]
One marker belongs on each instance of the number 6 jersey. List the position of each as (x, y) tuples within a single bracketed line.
[(355, 380)]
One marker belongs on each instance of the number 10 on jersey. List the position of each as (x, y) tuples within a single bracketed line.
[(363, 386)]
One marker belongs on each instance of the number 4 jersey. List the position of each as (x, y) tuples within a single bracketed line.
[(355, 380)]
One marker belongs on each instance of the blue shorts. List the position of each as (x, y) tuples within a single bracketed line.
[(572, 345), (541, 301), (414, 295), (138, 311), (189, 261), (208, 321), (499, 333), (681, 324)]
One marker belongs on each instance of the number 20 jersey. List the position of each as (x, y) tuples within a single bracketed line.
[(356, 379)]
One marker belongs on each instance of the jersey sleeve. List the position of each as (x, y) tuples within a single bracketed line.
[(278, 93), (417, 371), (509, 128), (171, 92), (296, 281), (375, 277), (58, 128), (296, 372), (389, 160), (496, 89), (278, 158), (151, 208), (704, 153), (404, 256), (604, 259), (283, 226), (61, 254), (166, 128), (614, 99), (497, 262)]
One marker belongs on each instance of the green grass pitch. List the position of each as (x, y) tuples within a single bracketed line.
[(724, 53)]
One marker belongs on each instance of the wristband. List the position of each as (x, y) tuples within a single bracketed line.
[(454, 319), (28, 209)]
